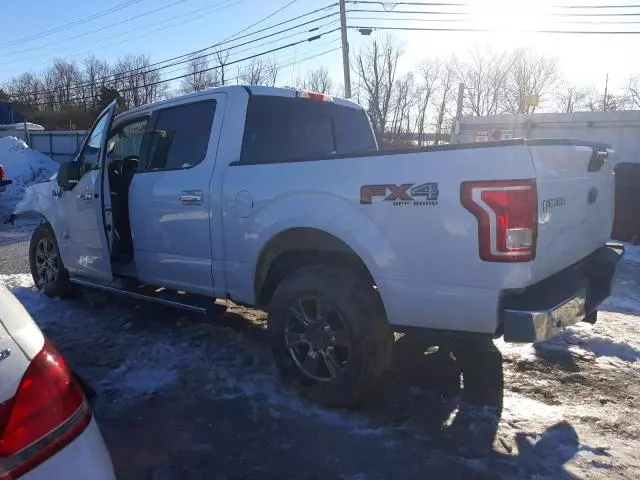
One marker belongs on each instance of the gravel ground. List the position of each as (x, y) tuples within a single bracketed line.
[(14, 243), (182, 396)]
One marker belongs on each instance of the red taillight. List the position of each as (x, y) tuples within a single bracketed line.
[(2, 174), (507, 213), (48, 411)]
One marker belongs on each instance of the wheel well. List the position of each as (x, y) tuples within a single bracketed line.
[(299, 247)]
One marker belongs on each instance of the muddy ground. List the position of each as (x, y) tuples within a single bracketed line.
[(183, 396)]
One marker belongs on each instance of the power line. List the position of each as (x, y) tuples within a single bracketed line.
[(280, 66), (430, 4), (424, 12), (263, 19), (487, 30), (126, 40), (75, 88), (222, 42), (464, 4), (457, 13), (445, 20), (70, 24), (191, 55), (159, 82), (108, 27)]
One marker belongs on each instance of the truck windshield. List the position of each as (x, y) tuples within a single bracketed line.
[(281, 129)]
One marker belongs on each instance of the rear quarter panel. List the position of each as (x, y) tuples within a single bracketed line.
[(431, 249)]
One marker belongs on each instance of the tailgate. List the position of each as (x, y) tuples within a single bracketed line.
[(575, 201)]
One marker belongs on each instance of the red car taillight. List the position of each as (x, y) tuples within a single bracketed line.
[(507, 213), (48, 411), (2, 174)]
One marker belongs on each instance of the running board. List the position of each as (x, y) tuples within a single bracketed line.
[(171, 298)]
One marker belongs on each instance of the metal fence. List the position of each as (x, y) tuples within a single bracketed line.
[(59, 145)]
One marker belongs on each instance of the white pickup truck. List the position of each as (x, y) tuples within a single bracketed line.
[(280, 198)]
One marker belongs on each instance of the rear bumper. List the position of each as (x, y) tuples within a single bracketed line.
[(85, 457), (542, 310)]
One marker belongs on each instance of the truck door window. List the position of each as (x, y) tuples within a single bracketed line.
[(182, 136), (282, 129), (90, 155), (126, 140)]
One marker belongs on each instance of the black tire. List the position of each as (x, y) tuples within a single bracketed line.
[(53, 280), (352, 307)]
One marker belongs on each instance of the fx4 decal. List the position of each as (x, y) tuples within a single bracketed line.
[(405, 194)]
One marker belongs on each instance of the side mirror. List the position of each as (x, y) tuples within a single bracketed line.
[(69, 175)]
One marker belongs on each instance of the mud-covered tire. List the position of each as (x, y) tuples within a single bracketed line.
[(358, 307), (54, 279)]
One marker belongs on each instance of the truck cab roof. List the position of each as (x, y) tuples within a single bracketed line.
[(232, 91)]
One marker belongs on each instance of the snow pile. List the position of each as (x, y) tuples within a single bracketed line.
[(632, 253), (24, 166), (20, 126)]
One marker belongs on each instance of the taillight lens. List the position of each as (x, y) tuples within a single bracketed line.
[(2, 174), (507, 213), (48, 411)]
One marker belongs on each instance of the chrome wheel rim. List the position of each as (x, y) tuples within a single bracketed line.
[(317, 339), (46, 260)]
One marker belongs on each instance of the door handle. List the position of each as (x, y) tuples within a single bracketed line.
[(191, 197)]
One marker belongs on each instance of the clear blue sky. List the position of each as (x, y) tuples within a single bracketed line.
[(192, 24)]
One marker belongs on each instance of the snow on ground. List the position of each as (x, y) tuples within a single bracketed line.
[(632, 253), (196, 396), (25, 167)]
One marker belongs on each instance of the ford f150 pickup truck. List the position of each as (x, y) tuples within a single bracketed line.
[(281, 199)]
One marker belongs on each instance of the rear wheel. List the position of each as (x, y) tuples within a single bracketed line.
[(329, 334), (47, 270)]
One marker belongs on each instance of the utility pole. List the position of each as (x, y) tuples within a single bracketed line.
[(345, 50), (456, 122), (606, 91)]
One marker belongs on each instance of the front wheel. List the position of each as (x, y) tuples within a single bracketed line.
[(47, 270), (330, 336)]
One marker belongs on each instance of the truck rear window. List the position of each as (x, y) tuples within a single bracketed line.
[(281, 129)]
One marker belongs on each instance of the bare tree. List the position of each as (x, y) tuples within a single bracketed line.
[(222, 58), (485, 76), (570, 99), (429, 72), (259, 71), (633, 92), (316, 80), (376, 68), (446, 91), (400, 130), (528, 75), (137, 82), (64, 76), (594, 100), (200, 75), (26, 88), (95, 75)]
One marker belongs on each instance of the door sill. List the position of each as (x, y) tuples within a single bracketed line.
[(171, 298)]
